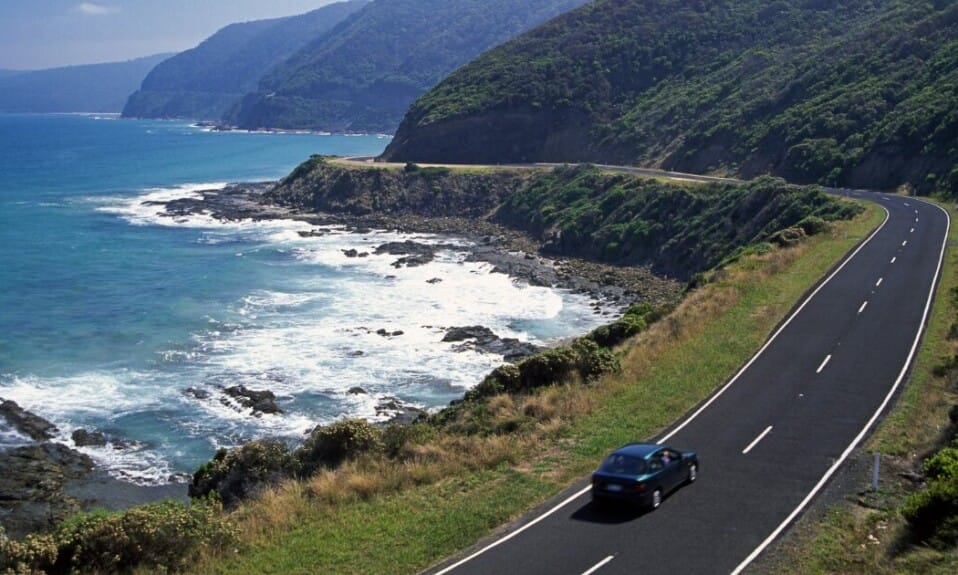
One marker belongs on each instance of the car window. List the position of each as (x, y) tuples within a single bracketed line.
[(618, 463)]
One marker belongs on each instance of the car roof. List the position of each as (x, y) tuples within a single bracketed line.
[(638, 449)]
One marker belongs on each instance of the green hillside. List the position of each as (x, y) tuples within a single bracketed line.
[(364, 75), (207, 81), (861, 93)]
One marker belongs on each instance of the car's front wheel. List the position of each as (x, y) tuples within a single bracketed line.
[(656, 499)]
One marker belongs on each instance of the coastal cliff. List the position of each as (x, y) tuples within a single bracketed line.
[(676, 229)]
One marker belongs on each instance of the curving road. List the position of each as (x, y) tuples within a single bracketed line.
[(769, 439)]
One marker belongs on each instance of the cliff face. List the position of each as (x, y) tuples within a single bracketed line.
[(364, 75), (207, 81), (677, 230), (859, 93)]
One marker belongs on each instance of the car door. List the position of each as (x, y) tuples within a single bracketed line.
[(672, 472)]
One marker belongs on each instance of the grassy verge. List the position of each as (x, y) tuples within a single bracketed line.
[(402, 517), (867, 533)]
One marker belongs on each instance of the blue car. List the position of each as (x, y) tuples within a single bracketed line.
[(643, 473)]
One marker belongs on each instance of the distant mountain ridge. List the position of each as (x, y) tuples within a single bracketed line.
[(363, 75), (89, 88), (861, 93), (207, 81)]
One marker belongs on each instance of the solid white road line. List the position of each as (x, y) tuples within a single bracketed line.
[(760, 437), (825, 361), (851, 446), (878, 283), (498, 542), (861, 309), (599, 565)]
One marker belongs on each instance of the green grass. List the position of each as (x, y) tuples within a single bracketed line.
[(669, 369)]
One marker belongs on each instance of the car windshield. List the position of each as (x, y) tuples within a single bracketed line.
[(625, 464)]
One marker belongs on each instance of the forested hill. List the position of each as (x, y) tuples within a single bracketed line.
[(88, 88), (207, 81), (364, 75), (861, 93)]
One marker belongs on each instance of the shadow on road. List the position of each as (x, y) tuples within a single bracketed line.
[(610, 514)]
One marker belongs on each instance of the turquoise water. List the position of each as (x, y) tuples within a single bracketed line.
[(110, 312)]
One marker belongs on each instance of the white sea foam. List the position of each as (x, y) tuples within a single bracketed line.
[(149, 208), (310, 337)]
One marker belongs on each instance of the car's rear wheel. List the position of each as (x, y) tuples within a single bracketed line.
[(693, 473), (656, 499)]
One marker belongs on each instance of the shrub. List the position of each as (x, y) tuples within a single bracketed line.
[(813, 225), (932, 513), (505, 378), (593, 361), (328, 446), (157, 537), (547, 368), (634, 321), (242, 472), (943, 464), (397, 438)]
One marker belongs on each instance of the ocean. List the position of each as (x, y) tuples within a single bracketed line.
[(118, 319)]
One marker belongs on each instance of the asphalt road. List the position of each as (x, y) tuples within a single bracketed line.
[(769, 439)]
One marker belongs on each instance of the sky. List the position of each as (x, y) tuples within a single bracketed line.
[(36, 34)]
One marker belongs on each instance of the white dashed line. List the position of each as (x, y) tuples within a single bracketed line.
[(907, 204), (912, 231), (904, 243), (893, 259), (757, 439), (824, 363), (599, 565), (878, 283), (861, 309)]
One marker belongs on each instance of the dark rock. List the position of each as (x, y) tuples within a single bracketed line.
[(415, 254), (357, 391), (350, 253), (197, 393), (259, 401), (26, 423), (485, 340), (411, 261), (312, 234), (357, 353), (32, 496), (913, 476), (397, 410), (385, 333), (84, 438), (434, 281), (477, 332)]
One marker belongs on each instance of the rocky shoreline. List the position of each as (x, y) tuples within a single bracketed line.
[(45, 481), (510, 252)]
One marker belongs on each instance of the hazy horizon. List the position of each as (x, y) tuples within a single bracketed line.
[(41, 34)]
